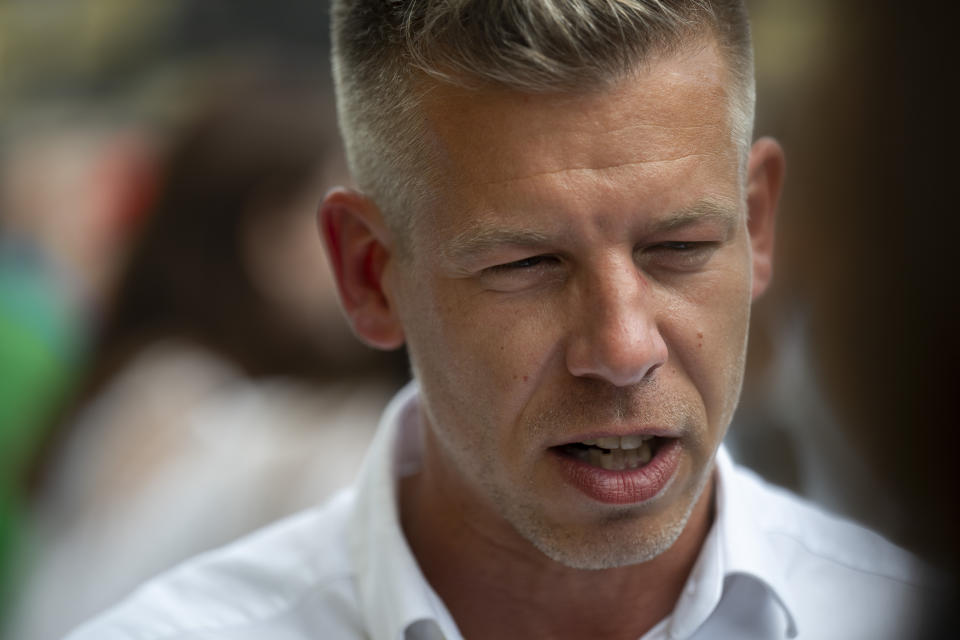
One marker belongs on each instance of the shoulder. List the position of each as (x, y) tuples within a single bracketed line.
[(837, 573), (800, 527), (293, 576)]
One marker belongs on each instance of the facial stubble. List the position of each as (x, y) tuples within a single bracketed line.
[(613, 536)]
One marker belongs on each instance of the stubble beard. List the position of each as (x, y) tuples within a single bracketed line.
[(618, 540), (626, 536)]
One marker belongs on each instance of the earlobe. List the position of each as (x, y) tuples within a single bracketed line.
[(354, 237), (765, 174)]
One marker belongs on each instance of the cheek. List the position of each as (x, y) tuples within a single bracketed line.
[(504, 345), (706, 329), (485, 353)]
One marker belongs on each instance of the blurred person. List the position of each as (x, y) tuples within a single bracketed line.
[(563, 215), (224, 390), (65, 191), (37, 356), (38, 353)]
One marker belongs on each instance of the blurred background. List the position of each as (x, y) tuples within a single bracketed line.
[(174, 370)]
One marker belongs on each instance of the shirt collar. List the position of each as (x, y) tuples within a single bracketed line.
[(395, 596), (736, 545)]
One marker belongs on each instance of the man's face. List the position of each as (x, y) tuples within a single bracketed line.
[(584, 275)]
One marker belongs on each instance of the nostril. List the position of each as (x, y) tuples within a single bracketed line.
[(616, 337), (620, 364)]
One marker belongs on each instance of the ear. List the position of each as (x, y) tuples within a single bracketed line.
[(765, 173), (355, 238)]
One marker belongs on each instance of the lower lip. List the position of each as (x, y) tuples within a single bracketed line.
[(630, 486)]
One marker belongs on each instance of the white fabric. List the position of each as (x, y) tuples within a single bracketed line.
[(772, 567), (180, 454)]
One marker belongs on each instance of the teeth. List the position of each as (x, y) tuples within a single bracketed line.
[(606, 461), (630, 442), (609, 443), (644, 453), (616, 453), (614, 442), (595, 457), (619, 459)]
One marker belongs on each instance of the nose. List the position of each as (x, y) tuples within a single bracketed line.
[(616, 338)]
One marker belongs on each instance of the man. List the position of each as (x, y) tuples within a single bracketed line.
[(561, 214)]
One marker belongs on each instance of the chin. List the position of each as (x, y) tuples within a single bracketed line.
[(611, 548), (619, 539)]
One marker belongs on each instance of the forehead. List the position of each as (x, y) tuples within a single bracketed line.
[(669, 121)]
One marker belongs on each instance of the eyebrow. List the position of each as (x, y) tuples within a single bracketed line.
[(703, 211), (473, 241)]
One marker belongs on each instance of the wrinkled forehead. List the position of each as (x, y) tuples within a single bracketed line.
[(674, 106), (671, 105)]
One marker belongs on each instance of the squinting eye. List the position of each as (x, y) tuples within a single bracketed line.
[(525, 274), (680, 255), (526, 263)]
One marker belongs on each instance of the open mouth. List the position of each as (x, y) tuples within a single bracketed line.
[(614, 453)]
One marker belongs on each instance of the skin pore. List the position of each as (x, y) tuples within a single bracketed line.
[(586, 270)]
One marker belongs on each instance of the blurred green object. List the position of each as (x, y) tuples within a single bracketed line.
[(39, 350)]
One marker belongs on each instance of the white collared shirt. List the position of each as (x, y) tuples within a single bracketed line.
[(772, 566)]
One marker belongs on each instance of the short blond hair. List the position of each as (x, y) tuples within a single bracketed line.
[(381, 46)]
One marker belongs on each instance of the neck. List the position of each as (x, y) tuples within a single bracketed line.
[(515, 591)]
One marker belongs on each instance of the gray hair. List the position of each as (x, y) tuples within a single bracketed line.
[(382, 47)]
